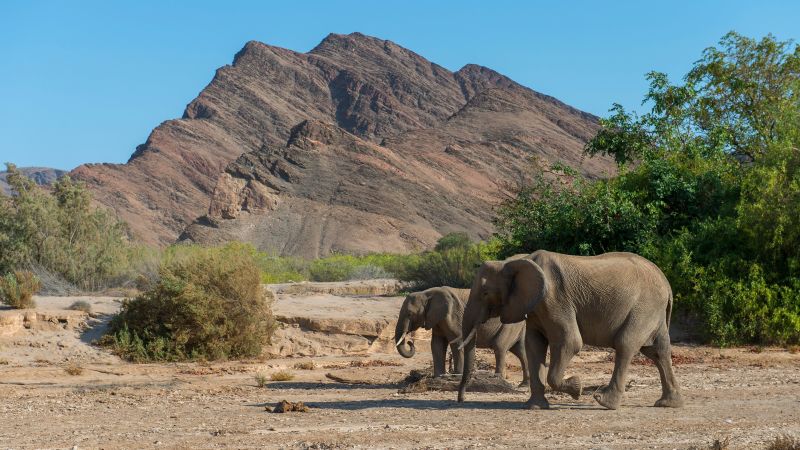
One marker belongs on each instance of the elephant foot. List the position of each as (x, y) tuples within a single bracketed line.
[(573, 387), (524, 383), (671, 400), (461, 395), (533, 403), (609, 398)]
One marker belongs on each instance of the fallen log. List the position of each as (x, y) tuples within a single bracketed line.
[(419, 381)]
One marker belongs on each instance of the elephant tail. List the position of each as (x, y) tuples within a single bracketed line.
[(669, 308)]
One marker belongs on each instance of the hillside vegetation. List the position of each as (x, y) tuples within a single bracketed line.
[(57, 233), (709, 189)]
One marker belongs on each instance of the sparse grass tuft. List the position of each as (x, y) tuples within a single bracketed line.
[(17, 289), (73, 369), (305, 365), (3, 362), (281, 375), (793, 349), (261, 379), (81, 305), (784, 443)]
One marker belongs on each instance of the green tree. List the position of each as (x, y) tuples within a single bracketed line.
[(59, 230), (708, 188)]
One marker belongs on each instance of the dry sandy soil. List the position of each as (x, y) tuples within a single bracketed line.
[(741, 395)]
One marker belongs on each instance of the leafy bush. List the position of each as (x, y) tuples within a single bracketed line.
[(17, 289), (453, 240), (206, 304), (453, 266), (708, 188), (336, 267)]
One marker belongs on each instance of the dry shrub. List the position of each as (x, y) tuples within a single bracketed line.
[(207, 304), (73, 369), (373, 363), (281, 375), (17, 289), (305, 365), (81, 305), (784, 443), (793, 349), (718, 444)]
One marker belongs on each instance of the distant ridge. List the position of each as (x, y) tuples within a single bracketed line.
[(40, 175)]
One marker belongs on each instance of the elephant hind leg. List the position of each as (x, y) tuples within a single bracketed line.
[(661, 354), (610, 396), (457, 359), (438, 351), (518, 349), (500, 361)]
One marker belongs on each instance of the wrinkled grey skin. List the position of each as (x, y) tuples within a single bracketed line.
[(441, 310), (616, 300)]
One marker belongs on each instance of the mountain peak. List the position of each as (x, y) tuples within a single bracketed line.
[(305, 127)]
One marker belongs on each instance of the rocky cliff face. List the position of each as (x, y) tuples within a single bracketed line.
[(357, 145)]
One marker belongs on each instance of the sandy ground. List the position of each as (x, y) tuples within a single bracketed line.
[(744, 396)]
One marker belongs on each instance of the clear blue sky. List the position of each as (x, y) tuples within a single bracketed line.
[(86, 81)]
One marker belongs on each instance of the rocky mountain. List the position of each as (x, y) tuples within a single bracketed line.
[(357, 145), (43, 176)]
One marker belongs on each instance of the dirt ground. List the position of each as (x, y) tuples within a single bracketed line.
[(745, 396)]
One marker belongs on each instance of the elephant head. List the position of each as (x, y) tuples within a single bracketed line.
[(510, 289), (423, 309)]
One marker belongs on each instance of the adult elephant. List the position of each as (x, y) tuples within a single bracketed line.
[(617, 300), (441, 310)]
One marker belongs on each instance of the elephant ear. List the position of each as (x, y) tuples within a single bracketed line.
[(436, 308), (527, 287)]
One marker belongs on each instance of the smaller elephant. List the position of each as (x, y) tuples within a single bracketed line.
[(441, 310)]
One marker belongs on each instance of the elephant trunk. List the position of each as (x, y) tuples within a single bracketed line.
[(469, 365), (473, 317), (404, 346)]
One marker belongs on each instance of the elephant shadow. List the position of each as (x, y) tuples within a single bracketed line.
[(327, 386), (430, 404)]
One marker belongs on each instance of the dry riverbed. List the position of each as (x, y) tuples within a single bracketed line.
[(744, 396)]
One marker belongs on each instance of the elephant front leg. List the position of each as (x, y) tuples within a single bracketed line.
[(536, 351), (561, 354), (439, 352)]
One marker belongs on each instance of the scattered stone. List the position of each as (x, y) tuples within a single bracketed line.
[(286, 406)]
